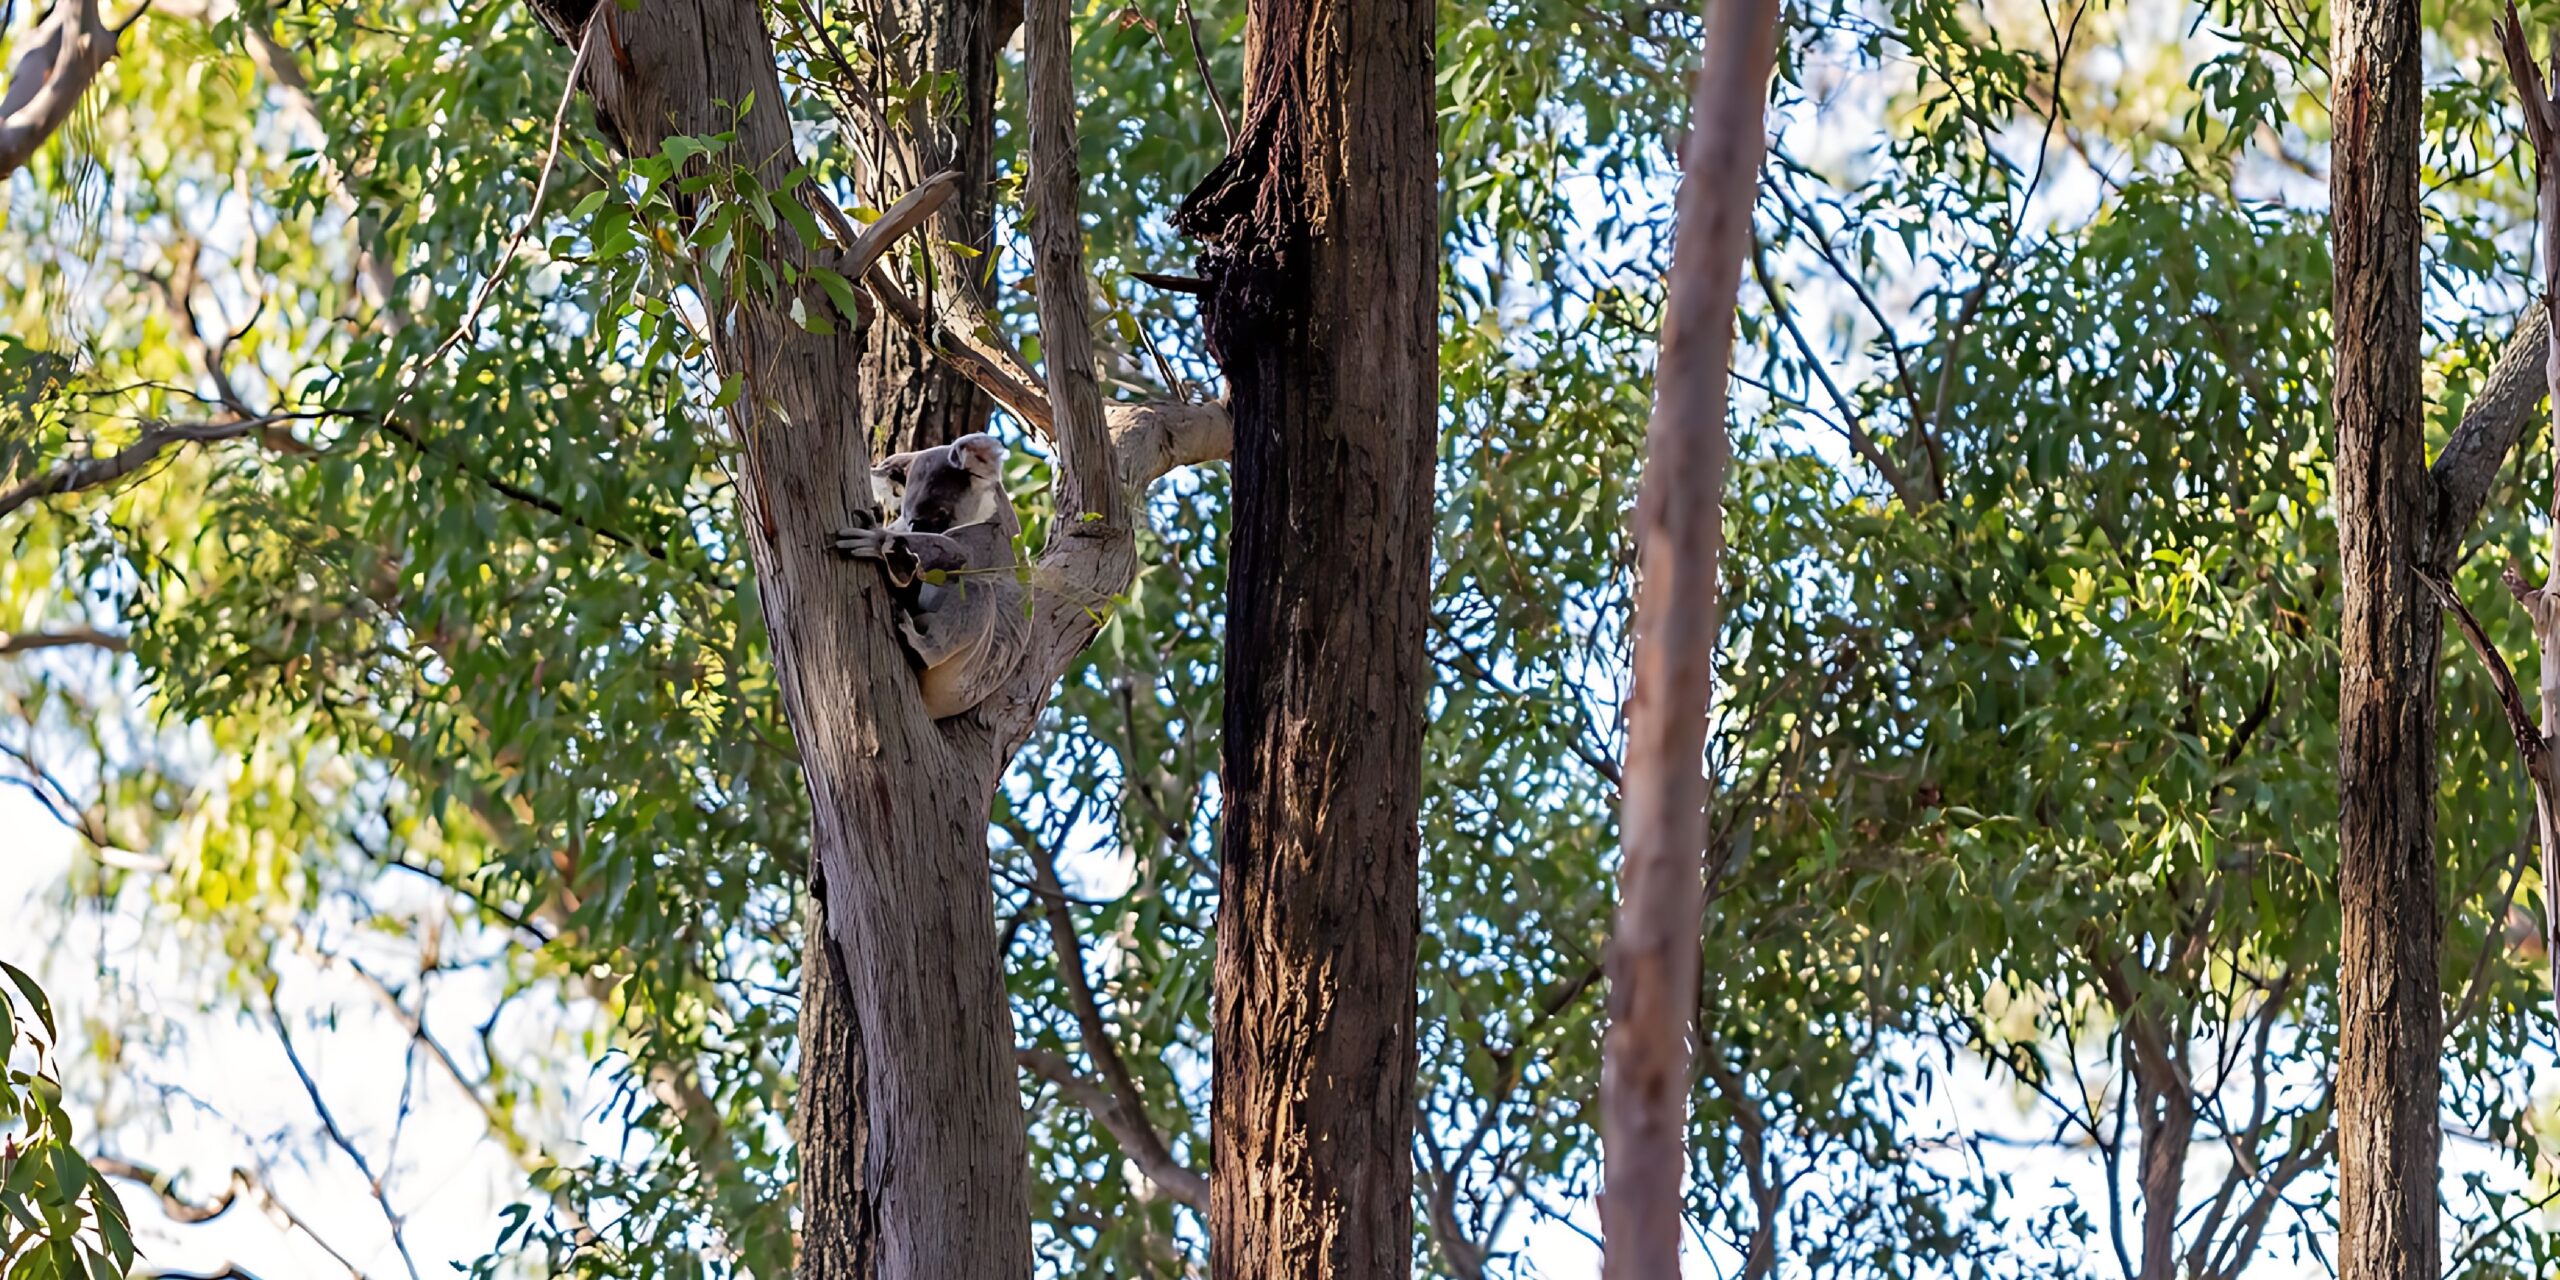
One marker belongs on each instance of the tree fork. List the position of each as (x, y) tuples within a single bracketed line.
[(899, 840)]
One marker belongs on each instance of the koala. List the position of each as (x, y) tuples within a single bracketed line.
[(949, 559)]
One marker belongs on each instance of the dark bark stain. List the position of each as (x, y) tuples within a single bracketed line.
[(1320, 258)]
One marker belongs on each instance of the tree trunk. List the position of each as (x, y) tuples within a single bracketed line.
[(2390, 1017), (1653, 951), (939, 1189), (2168, 1113), (911, 401), (832, 1133), (1322, 252)]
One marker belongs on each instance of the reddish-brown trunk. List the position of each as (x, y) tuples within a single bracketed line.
[(2389, 1008)]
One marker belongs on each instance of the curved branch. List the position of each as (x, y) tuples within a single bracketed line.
[(1117, 1103), (1180, 1182), (2469, 462), (164, 1185), (69, 48), (93, 471), (1076, 578)]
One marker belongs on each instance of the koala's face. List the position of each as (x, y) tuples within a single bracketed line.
[(948, 486)]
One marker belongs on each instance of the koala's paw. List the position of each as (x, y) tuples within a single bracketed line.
[(862, 540)]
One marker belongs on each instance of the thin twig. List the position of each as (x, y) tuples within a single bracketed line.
[(338, 1135), (541, 187), (1200, 58)]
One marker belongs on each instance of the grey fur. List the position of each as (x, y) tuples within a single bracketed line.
[(949, 560)]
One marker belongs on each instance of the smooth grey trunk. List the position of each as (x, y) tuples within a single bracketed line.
[(1653, 950)]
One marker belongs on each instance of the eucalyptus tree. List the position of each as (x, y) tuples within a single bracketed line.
[(2028, 791)]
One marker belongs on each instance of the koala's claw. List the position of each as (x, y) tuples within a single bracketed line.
[(859, 540)]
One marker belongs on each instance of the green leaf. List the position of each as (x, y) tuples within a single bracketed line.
[(803, 223), (35, 998), (839, 291)]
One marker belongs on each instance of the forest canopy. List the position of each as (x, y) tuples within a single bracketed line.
[(414, 848)]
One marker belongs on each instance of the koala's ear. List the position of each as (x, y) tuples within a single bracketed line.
[(980, 453), (894, 467)]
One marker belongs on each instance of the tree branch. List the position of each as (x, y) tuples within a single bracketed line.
[(13, 642), (2529, 743), (164, 1185), (1103, 457), (156, 439), (994, 372), (2493, 421), (338, 1136), (1091, 503), (68, 48), (1852, 423), (1181, 1183), (1122, 1108)]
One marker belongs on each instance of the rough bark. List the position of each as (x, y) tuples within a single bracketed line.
[(1653, 950), (899, 834), (832, 1120), (2390, 1014), (1321, 234), (912, 400)]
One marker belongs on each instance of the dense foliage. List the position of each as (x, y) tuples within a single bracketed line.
[(435, 698)]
